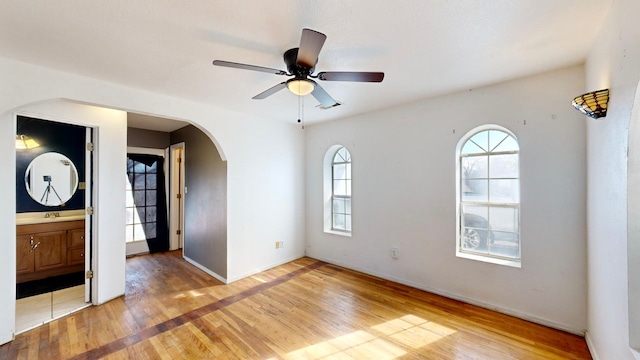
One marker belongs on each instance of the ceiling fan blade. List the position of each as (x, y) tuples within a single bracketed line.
[(270, 91), (311, 43), (325, 99), (351, 76), (248, 67)]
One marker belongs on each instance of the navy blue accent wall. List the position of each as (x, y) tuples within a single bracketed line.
[(65, 139)]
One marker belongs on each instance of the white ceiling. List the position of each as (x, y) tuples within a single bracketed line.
[(425, 47)]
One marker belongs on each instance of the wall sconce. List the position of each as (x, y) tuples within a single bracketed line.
[(593, 104), (25, 142)]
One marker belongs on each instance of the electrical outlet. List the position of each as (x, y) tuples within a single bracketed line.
[(279, 244), (395, 253)]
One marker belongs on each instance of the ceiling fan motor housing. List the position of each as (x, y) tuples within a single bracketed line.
[(290, 59)]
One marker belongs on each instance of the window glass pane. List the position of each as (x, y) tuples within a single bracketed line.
[(339, 206), (340, 171), (129, 216), (503, 166), (129, 198), (150, 230), (152, 182), (138, 232), (338, 221), (141, 215), (348, 171), (503, 219), (340, 187), (151, 197), (130, 178), (471, 148), (348, 185), (475, 190), (475, 216), (508, 144), (504, 191), (128, 235), (138, 197), (495, 138), (474, 167), (129, 165), (347, 222), (153, 168), (139, 181), (151, 214), (347, 207), (505, 244), (475, 228), (139, 168), (481, 139)]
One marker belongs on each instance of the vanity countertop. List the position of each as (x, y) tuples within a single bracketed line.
[(54, 216)]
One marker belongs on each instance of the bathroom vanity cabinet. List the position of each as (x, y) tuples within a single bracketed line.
[(49, 249)]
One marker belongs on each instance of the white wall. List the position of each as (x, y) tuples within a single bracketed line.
[(404, 196), (613, 63), (265, 173)]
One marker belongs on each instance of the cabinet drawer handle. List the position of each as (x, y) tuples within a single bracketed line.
[(33, 246), (81, 255)]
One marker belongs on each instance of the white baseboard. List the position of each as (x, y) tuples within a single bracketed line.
[(591, 346), (208, 271), (465, 299), (264, 268)]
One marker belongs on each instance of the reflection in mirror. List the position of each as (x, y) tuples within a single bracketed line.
[(51, 179)]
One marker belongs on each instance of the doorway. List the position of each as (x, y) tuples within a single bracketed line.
[(176, 202), (53, 231)]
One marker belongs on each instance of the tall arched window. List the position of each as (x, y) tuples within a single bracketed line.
[(489, 196), (341, 190)]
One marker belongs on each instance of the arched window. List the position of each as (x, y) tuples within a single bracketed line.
[(489, 196), (341, 190)]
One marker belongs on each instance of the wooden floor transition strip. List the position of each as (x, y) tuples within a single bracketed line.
[(190, 316)]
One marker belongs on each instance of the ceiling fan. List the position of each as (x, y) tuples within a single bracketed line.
[(301, 62)]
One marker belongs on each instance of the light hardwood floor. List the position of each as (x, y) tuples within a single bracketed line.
[(306, 309)]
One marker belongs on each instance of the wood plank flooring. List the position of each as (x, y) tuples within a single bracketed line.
[(306, 309)]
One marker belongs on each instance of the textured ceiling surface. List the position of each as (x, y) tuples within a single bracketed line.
[(425, 47)]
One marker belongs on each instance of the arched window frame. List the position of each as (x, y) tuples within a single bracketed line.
[(331, 211), (478, 210)]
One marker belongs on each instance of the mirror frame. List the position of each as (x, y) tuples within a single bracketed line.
[(50, 188)]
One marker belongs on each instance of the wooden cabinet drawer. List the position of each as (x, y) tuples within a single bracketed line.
[(75, 256), (75, 237)]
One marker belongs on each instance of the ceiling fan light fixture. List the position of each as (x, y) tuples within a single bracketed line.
[(300, 87)]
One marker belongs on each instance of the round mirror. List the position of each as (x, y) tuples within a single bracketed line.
[(51, 179)]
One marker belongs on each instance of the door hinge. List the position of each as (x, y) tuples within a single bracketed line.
[(89, 146), (90, 274), (178, 232), (90, 210), (179, 196)]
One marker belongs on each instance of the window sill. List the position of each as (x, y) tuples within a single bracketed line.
[(336, 232), (491, 260)]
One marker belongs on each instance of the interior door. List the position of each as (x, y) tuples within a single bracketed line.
[(88, 238)]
